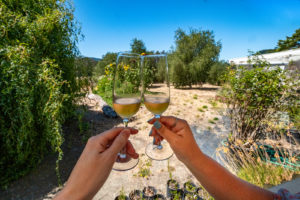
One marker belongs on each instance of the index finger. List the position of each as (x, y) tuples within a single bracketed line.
[(169, 121), (114, 132)]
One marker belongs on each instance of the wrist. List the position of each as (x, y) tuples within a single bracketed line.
[(196, 158)]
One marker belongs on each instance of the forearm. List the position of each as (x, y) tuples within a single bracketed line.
[(220, 183)]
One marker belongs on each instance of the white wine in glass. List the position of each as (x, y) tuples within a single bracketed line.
[(156, 92), (126, 98)]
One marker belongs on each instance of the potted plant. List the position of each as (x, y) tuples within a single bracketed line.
[(122, 195), (159, 197), (189, 187), (149, 192), (172, 187), (192, 197), (136, 195), (178, 195)]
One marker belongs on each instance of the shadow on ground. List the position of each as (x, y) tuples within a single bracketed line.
[(43, 180), (201, 88)]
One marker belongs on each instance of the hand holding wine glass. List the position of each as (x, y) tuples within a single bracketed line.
[(126, 98), (156, 98)]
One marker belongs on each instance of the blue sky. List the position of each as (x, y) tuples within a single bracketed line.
[(240, 25)]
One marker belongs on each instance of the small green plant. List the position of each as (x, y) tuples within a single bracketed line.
[(170, 170), (195, 96), (144, 169), (211, 121), (205, 107), (190, 186), (213, 103), (209, 128), (216, 119), (200, 110), (122, 195)]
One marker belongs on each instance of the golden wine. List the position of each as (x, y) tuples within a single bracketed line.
[(126, 107), (157, 105)]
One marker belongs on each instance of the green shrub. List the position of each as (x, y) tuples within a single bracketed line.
[(38, 81), (253, 97), (216, 72)]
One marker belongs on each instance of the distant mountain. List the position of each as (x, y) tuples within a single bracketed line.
[(95, 59)]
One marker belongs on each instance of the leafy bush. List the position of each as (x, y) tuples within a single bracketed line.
[(253, 97), (37, 81), (216, 72)]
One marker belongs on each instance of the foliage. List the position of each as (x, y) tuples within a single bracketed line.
[(193, 57), (37, 81), (292, 42), (255, 164), (216, 72), (253, 97), (144, 169), (107, 59), (262, 174), (85, 68), (138, 46)]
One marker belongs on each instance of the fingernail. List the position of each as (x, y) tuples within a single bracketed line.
[(157, 125), (149, 120), (150, 133)]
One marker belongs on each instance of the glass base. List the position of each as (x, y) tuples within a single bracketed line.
[(124, 164), (155, 153)]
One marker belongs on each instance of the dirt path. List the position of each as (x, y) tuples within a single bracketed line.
[(196, 105)]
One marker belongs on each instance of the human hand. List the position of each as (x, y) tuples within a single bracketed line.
[(179, 135), (95, 163)]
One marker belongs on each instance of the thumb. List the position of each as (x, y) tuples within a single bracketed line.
[(119, 142), (165, 132)]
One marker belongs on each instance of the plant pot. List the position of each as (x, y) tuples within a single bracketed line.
[(172, 187), (136, 195), (121, 198), (159, 197), (200, 193), (178, 195), (149, 192), (189, 188), (192, 197)]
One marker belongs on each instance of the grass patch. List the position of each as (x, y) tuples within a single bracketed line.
[(205, 107), (213, 103), (262, 174), (216, 119), (211, 121), (195, 96), (200, 110)]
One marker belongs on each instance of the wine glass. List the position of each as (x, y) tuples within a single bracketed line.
[(126, 98), (156, 95)]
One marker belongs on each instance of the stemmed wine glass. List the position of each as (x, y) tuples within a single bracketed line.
[(126, 98), (156, 97)]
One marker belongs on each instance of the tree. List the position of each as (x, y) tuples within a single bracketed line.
[(217, 72), (193, 57), (138, 46), (38, 81), (107, 59), (292, 42)]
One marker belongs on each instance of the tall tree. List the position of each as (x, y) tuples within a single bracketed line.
[(193, 57), (292, 42), (138, 46)]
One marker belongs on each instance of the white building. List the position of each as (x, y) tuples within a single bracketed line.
[(289, 58)]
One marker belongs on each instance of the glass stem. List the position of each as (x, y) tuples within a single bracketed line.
[(122, 153), (158, 146)]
